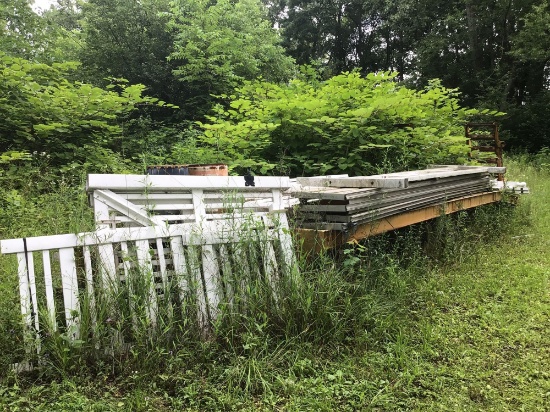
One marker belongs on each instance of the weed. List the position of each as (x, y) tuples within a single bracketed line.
[(451, 314)]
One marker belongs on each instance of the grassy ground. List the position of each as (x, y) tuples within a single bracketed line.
[(463, 330)]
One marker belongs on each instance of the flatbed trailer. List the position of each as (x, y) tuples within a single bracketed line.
[(313, 240)]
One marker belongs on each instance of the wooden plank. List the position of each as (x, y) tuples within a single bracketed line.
[(492, 125), (389, 180), (198, 204), (422, 187), (162, 262), (481, 137), (417, 187), (329, 193), (109, 236), (25, 291), (484, 149), (140, 198), (217, 230), (180, 268), (176, 218), (313, 241), (233, 219), (48, 285), (270, 265), (185, 196), (198, 286), (153, 183), (289, 263), (277, 205), (126, 265), (415, 203), (159, 208), (32, 287), (419, 175), (211, 275), (394, 198), (127, 281), (398, 198), (189, 209), (115, 202), (427, 213), (488, 169), (316, 179), (108, 270), (358, 195), (242, 275), (227, 277), (101, 214), (70, 291)]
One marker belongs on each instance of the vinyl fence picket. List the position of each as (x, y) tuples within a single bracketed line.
[(70, 291), (48, 284)]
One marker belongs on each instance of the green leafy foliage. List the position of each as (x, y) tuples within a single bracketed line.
[(63, 31), (529, 43), (219, 44), (129, 39), (347, 124), (21, 31), (496, 53), (74, 123)]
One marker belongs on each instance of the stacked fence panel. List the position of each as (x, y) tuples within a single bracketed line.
[(340, 203)]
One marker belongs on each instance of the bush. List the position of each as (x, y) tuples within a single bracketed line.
[(347, 124)]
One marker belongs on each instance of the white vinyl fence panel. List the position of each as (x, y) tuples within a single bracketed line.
[(207, 263), (144, 200), (166, 243)]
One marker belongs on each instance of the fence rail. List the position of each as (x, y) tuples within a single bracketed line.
[(208, 263)]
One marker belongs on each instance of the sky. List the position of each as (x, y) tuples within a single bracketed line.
[(42, 4)]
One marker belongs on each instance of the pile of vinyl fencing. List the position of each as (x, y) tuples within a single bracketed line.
[(206, 237), (341, 202)]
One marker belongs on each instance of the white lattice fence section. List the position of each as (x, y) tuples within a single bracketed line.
[(145, 200), (209, 264)]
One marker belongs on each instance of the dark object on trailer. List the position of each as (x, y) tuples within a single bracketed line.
[(483, 138)]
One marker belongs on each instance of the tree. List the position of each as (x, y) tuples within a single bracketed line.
[(219, 44), (75, 124), (529, 122), (491, 51), (494, 52), (64, 31), (532, 43), (368, 34), (347, 124), (320, 30), (21, 30), (128, 39)]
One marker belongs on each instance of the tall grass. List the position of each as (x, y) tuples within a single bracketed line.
[(358, 297), (363, 297)]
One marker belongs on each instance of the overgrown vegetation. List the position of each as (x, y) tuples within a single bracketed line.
[(347, 124), (424, 318), (452, 314), (66, 96)]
